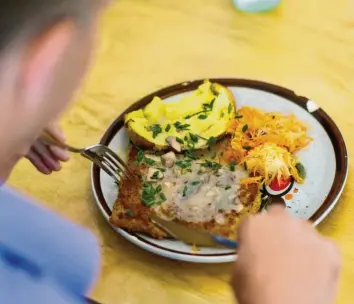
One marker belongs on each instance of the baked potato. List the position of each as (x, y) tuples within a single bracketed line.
[(190, 122)]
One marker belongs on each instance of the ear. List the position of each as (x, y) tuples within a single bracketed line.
[(41, 60)]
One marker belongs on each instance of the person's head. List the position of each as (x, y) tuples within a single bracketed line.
[(45, 46)]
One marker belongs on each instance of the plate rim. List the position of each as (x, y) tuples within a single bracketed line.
[(332, 130)]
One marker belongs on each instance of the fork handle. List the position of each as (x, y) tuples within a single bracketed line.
[(49, 140)]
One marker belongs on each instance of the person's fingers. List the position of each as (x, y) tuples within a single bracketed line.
[(59, 153), (277, 210), (37, 161), (56, 132), (46, 156)]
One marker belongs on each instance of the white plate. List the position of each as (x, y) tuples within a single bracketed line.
[(325, 160)]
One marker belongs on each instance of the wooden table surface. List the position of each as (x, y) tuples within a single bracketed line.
[(144, 45)]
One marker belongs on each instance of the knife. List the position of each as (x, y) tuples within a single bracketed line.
[(192, 236)]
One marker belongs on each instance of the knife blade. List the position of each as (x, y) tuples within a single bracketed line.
[(192, 236)]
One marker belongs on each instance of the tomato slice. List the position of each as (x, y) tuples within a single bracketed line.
[(282, 184)]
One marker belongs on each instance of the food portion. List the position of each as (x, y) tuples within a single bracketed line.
[(190, 188), (198, 162), (265, 143), (185, 123)]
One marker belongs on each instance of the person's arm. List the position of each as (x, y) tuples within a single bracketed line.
[(284, 260)]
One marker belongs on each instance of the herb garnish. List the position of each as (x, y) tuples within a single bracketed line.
[(190, 154), (180, 127), (183, 164), (209, 106), (238, 116), (191, 115), (211, 140), (193, 137), (245, 166), (195, 183), (148, 194), (244, 128), (180, 140), (168, 128), (149, 161), (301, 170), (211, 165), (185, 190), (233, 165), (156, 130), (158, 189), (247, 148), (129, 212), (140, 156), (156, 175), (229, 109), (163, 197), (202, 116)]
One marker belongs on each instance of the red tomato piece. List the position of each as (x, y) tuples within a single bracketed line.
[(282, 184)]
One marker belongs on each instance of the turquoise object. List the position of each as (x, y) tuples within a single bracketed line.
[(256, 6)]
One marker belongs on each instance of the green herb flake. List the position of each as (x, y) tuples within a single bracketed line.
[(195, 183), (140, 156), (301, 170), (180, 127), (163, 197), (129, 212), (158, 189), (180, 140), (185, 190), (156, 175), (162, 169), (244, 128), (149, 161), (168, 128), (238, 116), (222, 115), (209, 106), (211, 140), (211, 165), (227, 187), (183, 164), (148, 194), (185, 138), (156, 130), (193, 137), (190, 154), (247, 148), (229, 109), (245, 166), (202, 117), (233, 166)]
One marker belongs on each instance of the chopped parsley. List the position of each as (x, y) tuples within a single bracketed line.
[(156, 130), (195, 114), (202, 116), (301, 170), (190, 154), (193, 137), (245, 166), (149, 161), (156, 175), (229, 109), (129, 212), (211, 140), (181, 127), (185, 190), (140, 157), (163, 197), (211, 165), (209, 106), (195, 183), (238, 116), (247, 148), (180, 140), (158, 189), (162, 169), (244, 128), (183, 164), (168, 128), (233, 166)]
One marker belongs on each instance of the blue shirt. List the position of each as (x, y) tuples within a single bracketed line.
[(43, 257)]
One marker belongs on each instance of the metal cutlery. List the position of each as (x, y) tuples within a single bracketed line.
[(99, 154)]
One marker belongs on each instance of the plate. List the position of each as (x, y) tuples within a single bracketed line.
[(325, 160)]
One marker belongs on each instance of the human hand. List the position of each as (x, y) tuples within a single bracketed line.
[(48, 158), (284, 260)]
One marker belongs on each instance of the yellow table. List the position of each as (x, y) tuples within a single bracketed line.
[(145, 45)]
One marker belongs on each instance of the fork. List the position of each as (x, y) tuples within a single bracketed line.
[(100, 155)]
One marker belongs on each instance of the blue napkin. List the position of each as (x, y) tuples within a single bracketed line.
[(43, 257)]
